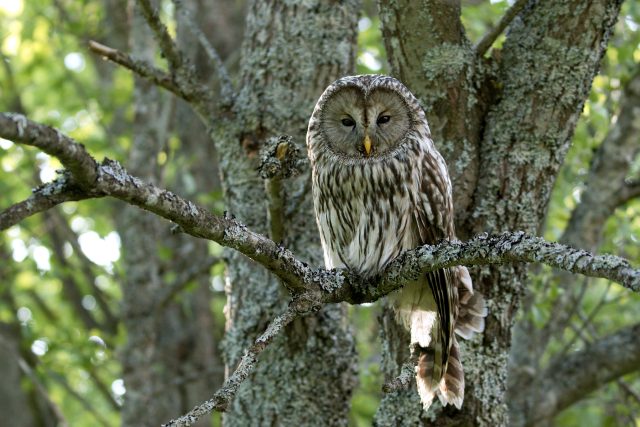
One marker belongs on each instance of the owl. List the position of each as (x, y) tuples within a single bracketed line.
[(380, 187)]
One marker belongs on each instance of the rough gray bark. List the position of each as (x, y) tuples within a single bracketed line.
[(429, 52), (292, 51), (519, 140), (525, 140)]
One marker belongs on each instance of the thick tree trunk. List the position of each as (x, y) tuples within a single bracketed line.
[(552, 52), (292, 51)]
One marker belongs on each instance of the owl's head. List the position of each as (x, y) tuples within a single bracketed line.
[(368, 116)]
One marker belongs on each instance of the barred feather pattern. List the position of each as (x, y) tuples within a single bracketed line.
[(371, 207)]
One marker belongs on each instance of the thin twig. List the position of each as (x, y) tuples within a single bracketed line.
[(103, 388), (560, 319), (138, 66), (585, 321), (629, 391), (222, 398), (60, 379), (184, 278), (42, 390), (167, 45), (110, 323), (488, 39), (184, 86), (226, 86)]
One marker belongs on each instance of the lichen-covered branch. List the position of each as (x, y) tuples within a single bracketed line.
[(43, 198), (222, 397), (198, 95), (110, 178), (138, 66), (72, 155), (482, 250)]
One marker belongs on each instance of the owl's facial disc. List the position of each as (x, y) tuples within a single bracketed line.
[(388, 119), (359, 125)]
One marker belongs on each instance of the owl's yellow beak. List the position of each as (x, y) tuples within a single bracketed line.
[(367, 144)]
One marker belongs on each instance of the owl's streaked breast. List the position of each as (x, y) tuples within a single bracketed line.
[(364, 213)]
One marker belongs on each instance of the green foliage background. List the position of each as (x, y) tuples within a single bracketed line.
[(49, 75)]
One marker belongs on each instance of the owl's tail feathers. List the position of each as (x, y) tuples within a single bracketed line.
[(451, 388), (426, 341), (473, 308), (425, 376)]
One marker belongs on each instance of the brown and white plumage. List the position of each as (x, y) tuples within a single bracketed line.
[(380, 187)]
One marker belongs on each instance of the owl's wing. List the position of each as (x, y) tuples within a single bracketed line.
[(433, 222)]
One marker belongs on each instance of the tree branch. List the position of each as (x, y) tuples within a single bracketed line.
[(280, 158), (222, 397), (226, 87), (72, 155), (138, 66), (167, 45), (195, 93), (488, 39), (42, 390), (43, 198)]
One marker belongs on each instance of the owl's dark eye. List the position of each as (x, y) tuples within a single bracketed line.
[(348, 122), (383, 119)]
